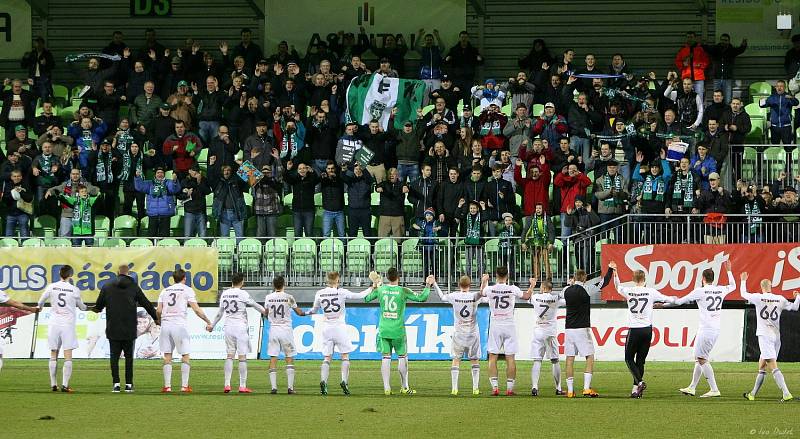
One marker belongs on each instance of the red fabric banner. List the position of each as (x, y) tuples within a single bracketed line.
[(676, 269)]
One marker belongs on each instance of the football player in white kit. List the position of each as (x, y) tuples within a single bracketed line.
[(64, 299), (709, 300), (334, 330), (466, 336), (172, 307), (233, 304), (545, 343), (7, 301), (502, 330), (769, 307), (278, 306)]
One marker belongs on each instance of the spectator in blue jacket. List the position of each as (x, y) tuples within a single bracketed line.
[(703, 165), (160, 201), (780, 106), (88, 136), (430, 63)]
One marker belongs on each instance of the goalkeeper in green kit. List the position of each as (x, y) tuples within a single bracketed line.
[(391, 328)]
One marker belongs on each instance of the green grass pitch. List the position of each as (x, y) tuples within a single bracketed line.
[(93, 411)]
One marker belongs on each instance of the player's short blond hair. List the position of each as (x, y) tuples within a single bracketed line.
[(333, 277), (638, 276), (766, 285), (546, 285), (464, 281), (580, 275)]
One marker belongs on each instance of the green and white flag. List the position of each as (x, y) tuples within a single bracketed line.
[(373, 97)]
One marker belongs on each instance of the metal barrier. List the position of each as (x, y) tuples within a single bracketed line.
[(582, 250), (763, 164)]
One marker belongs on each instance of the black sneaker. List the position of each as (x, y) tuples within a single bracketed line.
[(635, 395), (54, 388), (640, 388), (345, 389), (534, 392), (67, 389), (128, 388), (323, 388), (114, 389), (560, 393), (273, 391), (291, 392)]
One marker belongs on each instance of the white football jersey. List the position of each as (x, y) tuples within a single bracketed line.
[(709, 301), (65, 299), (332, 302), (465, 309), (640, 303), (279, 308), (545, 305), (502, 299), (233, 304), (174, 302), (768, 310)]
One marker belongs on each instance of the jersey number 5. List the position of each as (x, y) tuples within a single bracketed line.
[(62, 302)]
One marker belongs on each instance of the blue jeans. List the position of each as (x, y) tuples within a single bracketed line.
[(21, 221), (78, 240), (581, 146), (228, 221), (194, 223), (64, 227), (319, 165), (410, 171), (565, 231), (303, 222), (208, 129), (699, 87), (328, 217), (726, 85), (43, 87)]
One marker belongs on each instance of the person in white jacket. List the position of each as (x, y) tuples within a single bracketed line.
[(489, 93)]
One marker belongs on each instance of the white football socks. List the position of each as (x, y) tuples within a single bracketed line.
[(242, 373), (698, 371), (570, 382), (229, 371), (476, 376), (759, 382), (290, 375), (324, 371), (53, 365), (66, 373), (273, 378), (185, 369), (510, 385), (346, 371), (386, 369), (167, 369), (454, 378), (493, 382), (778, 376), (402, 367), (587, 380), (708, 371), (557, 375), (535, 370)]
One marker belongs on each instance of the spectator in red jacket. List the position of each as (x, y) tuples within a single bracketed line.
[(532, 154), (692, 60), (535, 185), (182, 147), (492, 122), (572, 183)]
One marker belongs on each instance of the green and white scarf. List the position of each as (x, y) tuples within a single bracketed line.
[(82, 213), (649, 192), (608, 184), (159, 188), (124, 140), (752, 210), (127, 157), (473, 229), (104, 173), (684, 188), (506, 235), (538, 230)]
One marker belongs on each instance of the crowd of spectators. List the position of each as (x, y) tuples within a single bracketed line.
[(559, 147)]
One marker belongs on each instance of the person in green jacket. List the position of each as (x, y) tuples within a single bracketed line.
[(82, 218), (391, 327)]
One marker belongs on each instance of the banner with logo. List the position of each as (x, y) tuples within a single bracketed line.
[(92, 343), (428, 331), (375, 96), (757, 21), (674, 332), (378, 17), (16, 332), (15, 29), (676, 269), (25, 272)]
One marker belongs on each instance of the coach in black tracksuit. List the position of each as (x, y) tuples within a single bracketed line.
[(121, 297)]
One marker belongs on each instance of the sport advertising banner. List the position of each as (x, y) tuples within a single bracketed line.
[(15, 29), (428, 332), (674, 331), (92, 342), (757, 20), (26, 271), (16, 332), (676, 269), (378, 17)]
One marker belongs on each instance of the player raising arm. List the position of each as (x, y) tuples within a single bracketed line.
[(466, 338), (233, 304), (7, 301), (391, 326), (769, 307), (502, 331), (172, 307), (334, 329), (709, 300), (65, 299), (278, 305), (640, 323), (545, 332)]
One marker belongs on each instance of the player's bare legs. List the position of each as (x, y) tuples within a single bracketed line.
[(185, 370), (167, 369)]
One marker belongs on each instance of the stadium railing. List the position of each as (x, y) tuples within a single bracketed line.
[(763, 164)]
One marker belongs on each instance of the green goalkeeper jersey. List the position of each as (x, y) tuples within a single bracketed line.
[(392, 300)]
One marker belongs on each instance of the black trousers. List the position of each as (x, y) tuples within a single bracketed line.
[(637, 345), (117, 347)]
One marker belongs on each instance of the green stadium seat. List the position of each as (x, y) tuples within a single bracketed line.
[(102, 226), (304, 257), (144, 227), (276, 256), (67, 114), (44, 226), (60, 95), (331, 254), (386, 254), (8, 242), (537, 111), (358, 257), (125, 226), (196, 243), (57, 242), (168, 242), (176, 225), (249, 252), (492, 253), (411, 258), (760, 89), (225, 250), (33, 242), (114, 243), (140, 242)]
